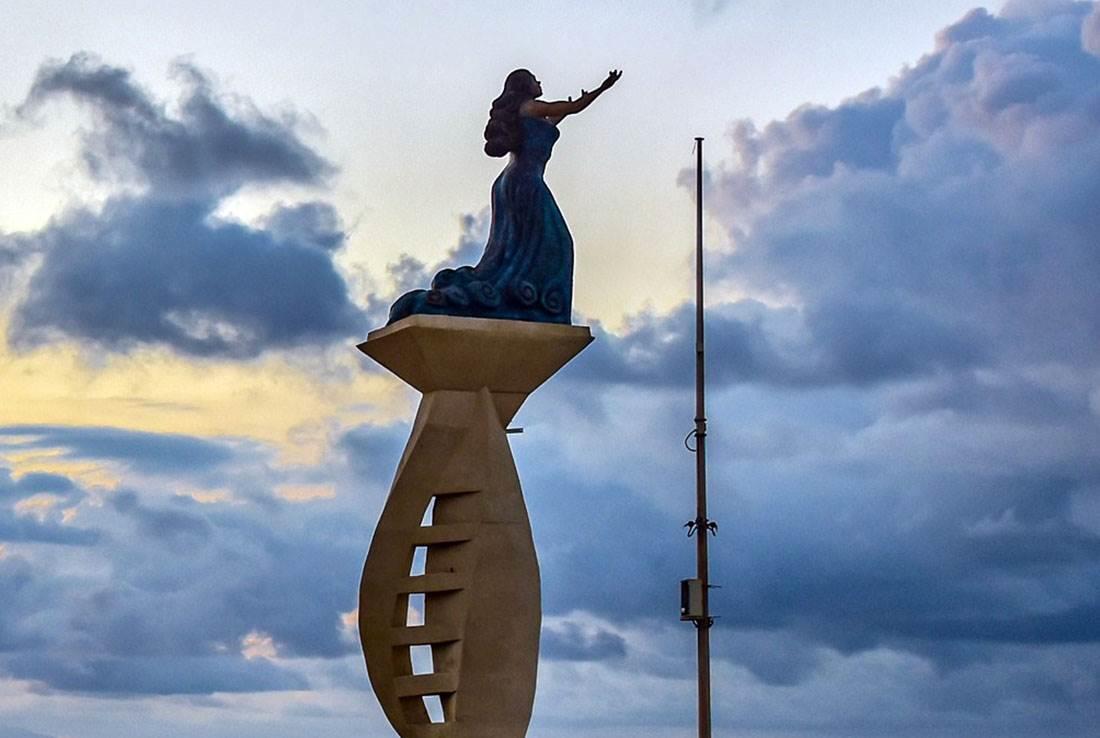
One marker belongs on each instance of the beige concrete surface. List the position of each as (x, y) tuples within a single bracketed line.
[(509, 357), (479, 590)]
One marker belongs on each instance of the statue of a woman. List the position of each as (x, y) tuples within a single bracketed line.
[(526, 272)]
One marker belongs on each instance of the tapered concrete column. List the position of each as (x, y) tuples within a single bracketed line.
[(457, 509)]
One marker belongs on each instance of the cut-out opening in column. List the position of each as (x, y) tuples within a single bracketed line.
[(419, 561), (415, 614), (422, 661), (429, 514), (434, 705), (456, 507)]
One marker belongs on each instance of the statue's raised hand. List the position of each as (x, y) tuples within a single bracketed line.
[(612, 78)]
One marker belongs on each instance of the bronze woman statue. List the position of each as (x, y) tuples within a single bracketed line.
[(526, 272)]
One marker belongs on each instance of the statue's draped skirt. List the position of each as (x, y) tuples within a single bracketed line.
[(526, 272)]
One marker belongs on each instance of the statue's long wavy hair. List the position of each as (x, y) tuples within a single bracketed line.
[(502, 133)]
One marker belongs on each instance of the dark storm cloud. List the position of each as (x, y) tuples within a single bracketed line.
[(1090, 32), (149, 676), (10, 254), (944, 223), (162, 524), (953, 209), (570, 641), (1007, 396), (35, 483), (40, 524), (904, 426), (748, 341), (953, 535), (604, 548), (146, 452), (789, 560), (159, 267), (44, 482), (926, 587), (173, 591), (707, 8), (372, 452), (216, 575), (149, 271), (410, 273), (775, 658), (24, 529), (471, 241), (22, 594), (211, 146), (310, 223), (8, 731)]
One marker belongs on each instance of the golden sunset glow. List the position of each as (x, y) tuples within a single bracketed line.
[(271, 400), (206, 206)]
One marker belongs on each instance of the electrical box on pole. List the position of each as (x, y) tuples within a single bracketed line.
[(691, 599)]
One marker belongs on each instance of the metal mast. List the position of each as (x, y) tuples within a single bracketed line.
[(702, 525)]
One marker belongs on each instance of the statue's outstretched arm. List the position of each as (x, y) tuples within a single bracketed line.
[(555, 111)]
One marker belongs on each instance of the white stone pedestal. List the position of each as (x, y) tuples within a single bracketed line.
[(480, 587)]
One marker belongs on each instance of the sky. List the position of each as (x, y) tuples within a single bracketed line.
[(203, 208)]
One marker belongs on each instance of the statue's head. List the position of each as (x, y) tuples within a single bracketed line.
[(522, 83), (502, 134)]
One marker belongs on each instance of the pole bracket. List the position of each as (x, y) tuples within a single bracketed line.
[(699, 431), (711, 526), (707, 622)]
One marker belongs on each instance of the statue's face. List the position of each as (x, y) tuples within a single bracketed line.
[(536, 86)]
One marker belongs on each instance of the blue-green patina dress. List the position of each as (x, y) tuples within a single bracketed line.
[(526, 272)]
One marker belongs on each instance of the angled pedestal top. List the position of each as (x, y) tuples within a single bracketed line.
[(441, 352)]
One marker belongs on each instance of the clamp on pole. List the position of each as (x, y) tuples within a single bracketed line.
[(711, 526)]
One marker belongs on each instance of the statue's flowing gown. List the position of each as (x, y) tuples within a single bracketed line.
[(526, 272)]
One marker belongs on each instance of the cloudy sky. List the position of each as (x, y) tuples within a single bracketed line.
[(203, 209)]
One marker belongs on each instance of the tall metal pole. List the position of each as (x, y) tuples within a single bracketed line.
[(702, 524)]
